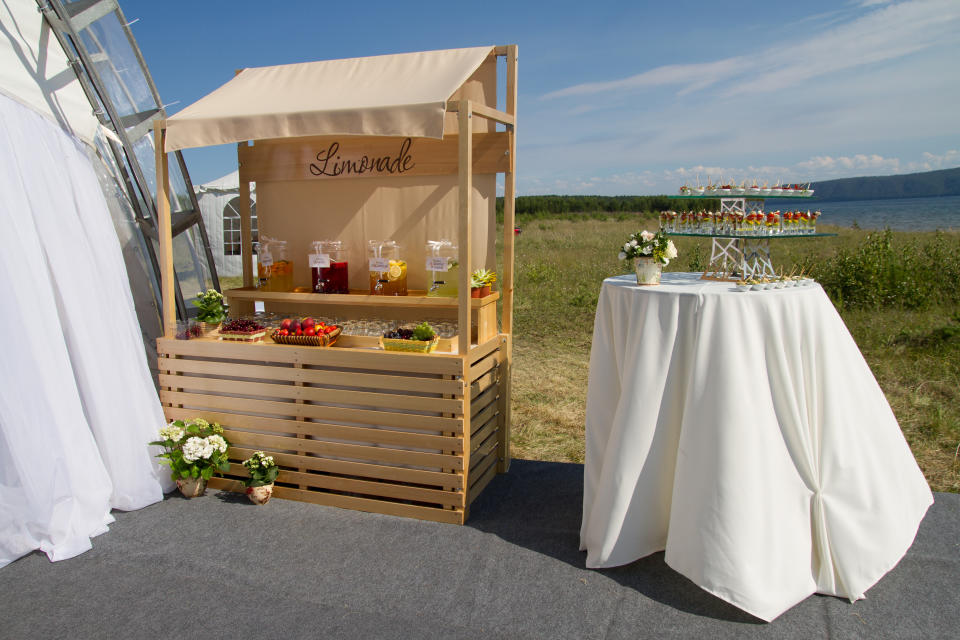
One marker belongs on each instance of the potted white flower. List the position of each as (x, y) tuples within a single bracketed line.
[(263, 473), (650, 253), (194, 451), (212, 311)]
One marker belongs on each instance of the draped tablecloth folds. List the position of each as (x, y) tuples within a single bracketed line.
[(744, 434)]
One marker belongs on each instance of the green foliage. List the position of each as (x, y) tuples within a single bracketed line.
[(424, 332), (886, 273), (620, 208), (482, 277), (262, 468), (212, 308), (193, 449)]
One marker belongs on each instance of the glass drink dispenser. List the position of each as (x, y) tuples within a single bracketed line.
[(328, 267), (443, 268), (388, 272)]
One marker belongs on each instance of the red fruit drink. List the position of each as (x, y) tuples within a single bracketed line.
[(332, 279)]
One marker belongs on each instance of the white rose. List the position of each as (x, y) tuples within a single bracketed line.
[(647, 250), (633, 243), (646, 235), (626, 247), (671, 251)]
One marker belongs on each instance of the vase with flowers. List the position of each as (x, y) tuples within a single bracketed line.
[(263, 472), (650, 252), (194, 450)]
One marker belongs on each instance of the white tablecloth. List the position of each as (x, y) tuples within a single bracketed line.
[(743, 433)]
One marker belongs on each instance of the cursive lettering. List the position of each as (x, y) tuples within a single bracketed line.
[(329, 162)]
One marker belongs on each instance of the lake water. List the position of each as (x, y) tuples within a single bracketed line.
[(903, 214)]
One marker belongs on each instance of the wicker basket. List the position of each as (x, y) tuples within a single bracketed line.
[(411, 346), (323, 340)]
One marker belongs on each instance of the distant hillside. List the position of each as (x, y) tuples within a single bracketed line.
[(945, 182)]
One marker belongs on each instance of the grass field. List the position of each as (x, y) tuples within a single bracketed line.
[(904, 315), (911, 344)]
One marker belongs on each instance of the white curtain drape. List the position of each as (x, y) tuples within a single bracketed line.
[(77, 402)]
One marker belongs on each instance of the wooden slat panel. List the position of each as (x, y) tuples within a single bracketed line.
[(483, 450), (359, 469), (311, 394), (479, 403), (480, 435), (304, 158), (449, 516), (482, 417), (372, 488), (320, 412), (483, 481), (482, 383), (482, 367), (332, 357), (314, 376), (481, 351), (362, 452), (322, 430)]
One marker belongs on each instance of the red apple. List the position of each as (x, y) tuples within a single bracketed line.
[(309, 331), (307, 322), (286, 324)]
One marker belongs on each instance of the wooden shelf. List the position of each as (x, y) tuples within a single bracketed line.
[(356, 298)]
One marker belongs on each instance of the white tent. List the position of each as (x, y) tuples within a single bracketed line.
[(77, 401), (218, 200)]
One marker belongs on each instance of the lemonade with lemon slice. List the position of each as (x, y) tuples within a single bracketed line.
[(388, 272)]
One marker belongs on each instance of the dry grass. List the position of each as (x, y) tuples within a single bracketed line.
[(915, 355)]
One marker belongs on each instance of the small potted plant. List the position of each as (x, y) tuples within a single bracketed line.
[(212, 311), (650, 253), (263, 473), (194, 450), (480, 283)]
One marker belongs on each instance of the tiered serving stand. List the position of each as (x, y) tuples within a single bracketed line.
[(745, 254)]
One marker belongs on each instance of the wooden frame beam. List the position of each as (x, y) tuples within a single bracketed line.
[(168, 313)]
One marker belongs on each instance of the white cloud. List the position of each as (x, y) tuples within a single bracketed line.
[(882, 34)]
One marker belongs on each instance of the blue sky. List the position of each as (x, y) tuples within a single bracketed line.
[(628, 98)]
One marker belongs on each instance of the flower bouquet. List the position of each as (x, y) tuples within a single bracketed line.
[(194, 451), (650, 253), (263, 473)]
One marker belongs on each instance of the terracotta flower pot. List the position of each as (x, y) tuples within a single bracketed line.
[(475, 292), (192, 487), (648, 271), (484, 291), (260, 495)]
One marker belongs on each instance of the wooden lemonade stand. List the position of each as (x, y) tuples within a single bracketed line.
[(353, 426)]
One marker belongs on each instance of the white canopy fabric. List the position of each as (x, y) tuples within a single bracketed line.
[(77, 403), (35, 72), (392, 95)]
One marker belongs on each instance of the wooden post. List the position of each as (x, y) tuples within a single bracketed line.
[(246, 236), (246, 231), (164, 232), (465, 193), (509, 194)]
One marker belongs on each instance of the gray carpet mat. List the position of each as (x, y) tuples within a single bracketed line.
[(220, 567)]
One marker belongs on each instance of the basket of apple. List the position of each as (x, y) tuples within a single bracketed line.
[(306, 332)]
